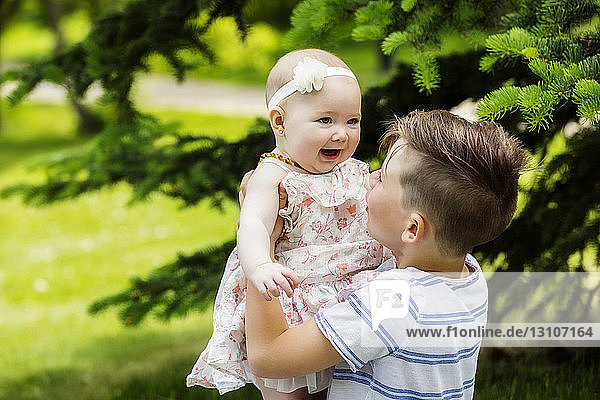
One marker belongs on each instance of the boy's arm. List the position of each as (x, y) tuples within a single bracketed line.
[(276, 351), (257, 218)]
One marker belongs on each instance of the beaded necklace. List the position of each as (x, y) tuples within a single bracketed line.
[(287, 160), (281, 158)]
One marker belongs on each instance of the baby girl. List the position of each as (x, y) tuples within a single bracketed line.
[(314, 106)]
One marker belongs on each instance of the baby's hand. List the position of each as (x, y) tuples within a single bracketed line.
[(269, 277)]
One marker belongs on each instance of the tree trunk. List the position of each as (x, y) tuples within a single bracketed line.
[(54, 14), (385, 61), (89, 124)]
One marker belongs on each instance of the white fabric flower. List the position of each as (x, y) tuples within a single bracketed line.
[(309, 74)]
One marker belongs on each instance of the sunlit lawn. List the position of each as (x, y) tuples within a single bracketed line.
[(56, 260)]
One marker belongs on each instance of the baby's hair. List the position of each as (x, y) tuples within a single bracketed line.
[(465, 178), (282, 71)]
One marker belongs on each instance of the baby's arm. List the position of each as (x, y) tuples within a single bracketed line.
[(257, 218)]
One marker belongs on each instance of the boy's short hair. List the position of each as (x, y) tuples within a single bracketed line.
[(467, 179), (282, 71)]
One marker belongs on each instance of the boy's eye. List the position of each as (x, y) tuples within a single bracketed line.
[(325, 120), (353, 121)]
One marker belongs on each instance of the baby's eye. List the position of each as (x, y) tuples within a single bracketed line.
[(353, 121), (325, 120)]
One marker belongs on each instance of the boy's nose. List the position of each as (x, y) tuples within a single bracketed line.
[(370, 181)]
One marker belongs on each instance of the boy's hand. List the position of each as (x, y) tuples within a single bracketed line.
[(267, 278)]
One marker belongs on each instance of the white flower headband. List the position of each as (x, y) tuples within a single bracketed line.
[(308, 75)]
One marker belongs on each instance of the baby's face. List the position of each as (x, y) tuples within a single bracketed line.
[(322, 128)]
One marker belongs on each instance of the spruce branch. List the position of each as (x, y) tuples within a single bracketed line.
[(118, 46), (426, 73), (536, 107), (175, 289), (556, 196), (548, 71), (393, 41), (587, 97), (497, 103), (320, 23), (408, 5), (511, 44), (187, 168)]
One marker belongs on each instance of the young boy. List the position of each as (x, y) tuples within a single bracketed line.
[(446, 186)]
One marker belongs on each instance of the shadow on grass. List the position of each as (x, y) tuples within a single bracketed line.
[(125, 374), (538, 373), (14, 152), (131, 365), (73, 383)]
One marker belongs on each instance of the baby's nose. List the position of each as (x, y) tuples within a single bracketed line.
[(339, 135)]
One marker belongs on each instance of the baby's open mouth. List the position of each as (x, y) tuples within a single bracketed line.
[(331, 153)]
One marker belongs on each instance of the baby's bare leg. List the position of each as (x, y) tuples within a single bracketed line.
[(322, 395), (272, 394)]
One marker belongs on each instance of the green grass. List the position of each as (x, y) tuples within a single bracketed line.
[(32, 131), (56, 260), (229, 127), (537, 374), (27, 40)]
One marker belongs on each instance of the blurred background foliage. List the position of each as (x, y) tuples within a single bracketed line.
[(144, 183)]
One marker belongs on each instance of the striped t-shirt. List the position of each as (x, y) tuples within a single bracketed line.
[(396, 361)]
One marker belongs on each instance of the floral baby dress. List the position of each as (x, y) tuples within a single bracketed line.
[(325, 242)]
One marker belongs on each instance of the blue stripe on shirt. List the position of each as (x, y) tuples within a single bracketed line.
[(436, 359), (437, 319), (472, 281), (399, 393), (424, 278), (431, 280), (362, 310), (337, 341), (456, 314), (441, 355)]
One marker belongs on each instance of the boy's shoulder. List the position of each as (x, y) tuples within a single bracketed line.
[(422, 282), (433, 298)]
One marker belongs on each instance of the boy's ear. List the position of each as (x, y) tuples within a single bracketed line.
[(276, 120), (414, 229)]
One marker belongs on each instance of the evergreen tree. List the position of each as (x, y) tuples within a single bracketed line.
[(50, 14), (557, 40), (542, 70), (534, 64)]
